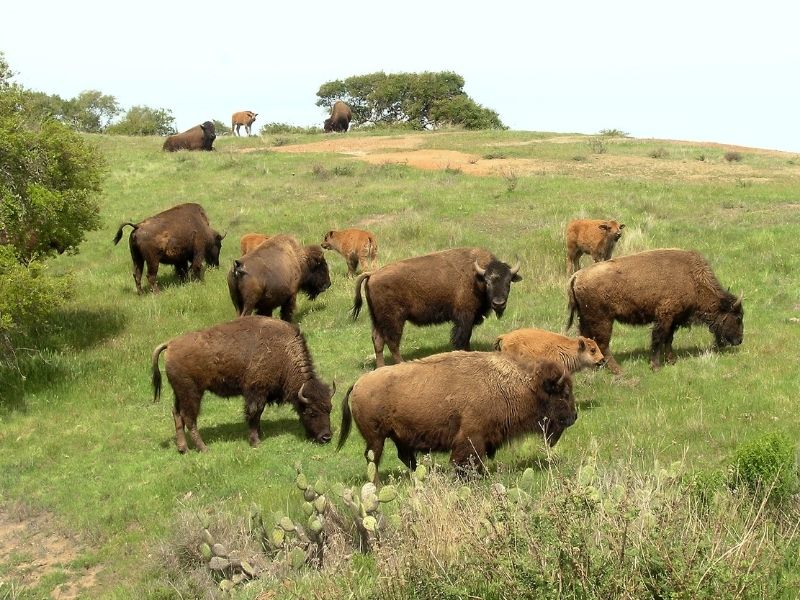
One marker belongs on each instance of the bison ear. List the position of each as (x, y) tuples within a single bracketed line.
[(622, 225), (581, 344)]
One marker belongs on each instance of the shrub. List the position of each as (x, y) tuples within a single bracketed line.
[(766, 466), (658, 153), (597, 145), (613, 133), (495, 155), (143, 120), (733, 156), (275, 128)]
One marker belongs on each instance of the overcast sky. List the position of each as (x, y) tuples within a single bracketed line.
[(702, 70)]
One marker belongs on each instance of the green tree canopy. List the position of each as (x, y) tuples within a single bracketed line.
[(423, 100), (143, 120)]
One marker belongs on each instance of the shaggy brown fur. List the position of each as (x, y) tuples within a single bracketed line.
[(339, 120), (244, 117), (262, 359), (669, 288), (573, 354), (590, 236), (179, 236), (469, 403), (460, 285), (273, 273), (199, 137), (355, 245), (251, 241)]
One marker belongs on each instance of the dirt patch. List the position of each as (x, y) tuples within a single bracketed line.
[(34, 547), (407, 150)]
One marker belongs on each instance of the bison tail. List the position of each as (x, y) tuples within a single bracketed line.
[(358, 301), (118, 237), (573, 302), (157, 372), (347, 420)]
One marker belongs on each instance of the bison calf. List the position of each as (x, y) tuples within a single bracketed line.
[(180, 236), (273, 273), (251, 241), (199, 137), (355, 245), (460, 285), (573, 354), (262, 359), (469, 403), (596, 238), (670, 288), (244, 117)]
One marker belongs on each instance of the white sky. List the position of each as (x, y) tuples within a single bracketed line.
[(703, 70)]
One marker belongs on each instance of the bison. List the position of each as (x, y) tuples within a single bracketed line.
[(669, 288), (596, 238), (244, 117), (573, 354), (460, 285), (355, 245), (199, 137), (265, 360), (339, 121), (272, 274), (467, 402), (180, 236), (251, 241)]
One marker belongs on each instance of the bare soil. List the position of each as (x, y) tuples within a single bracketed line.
[(407, 150), (36, 547)]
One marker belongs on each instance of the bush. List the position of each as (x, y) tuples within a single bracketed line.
[(143, 120), (597, 145), (733, 156), (275, 128), (658, 153), (766, 466), (613, 133)]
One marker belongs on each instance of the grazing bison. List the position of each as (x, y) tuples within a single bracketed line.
[(244, 117), (273, 273), (180, 236), (355, 245), (460, 285), (467, 402), (594, 237), (199, 137), (251, 241), (669, 288), (339, 121), (573, 354), (262, 359)]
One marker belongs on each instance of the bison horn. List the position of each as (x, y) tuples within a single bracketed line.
[(478, 269), (300, 395), (515, 268), (333, 391), (223, 236)]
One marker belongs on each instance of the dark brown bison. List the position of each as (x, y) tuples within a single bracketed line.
[(199, 137), (669, 288), (273, 273), (262, 359), (469, 403), (460, 285), (180, 236), (594, 237), (244, 117), (251, 241), (339, 121), (573, 354), (355, 245)]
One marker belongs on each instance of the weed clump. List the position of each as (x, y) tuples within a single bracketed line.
[(767, 467), (733, 156)]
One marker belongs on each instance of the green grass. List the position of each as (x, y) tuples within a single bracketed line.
[(81, 438)]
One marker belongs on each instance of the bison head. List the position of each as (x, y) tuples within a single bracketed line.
[(314, 407), (213, 249), (209, 135), (558, 410), (498, 277), (589, 354), (327, 242), (316, 277), (728, 326), (612, 229)]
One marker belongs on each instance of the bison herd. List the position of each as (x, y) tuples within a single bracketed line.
[(467, 403)]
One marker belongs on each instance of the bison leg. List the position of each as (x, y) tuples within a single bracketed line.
[(467, 454), (182, 270), (352, 264), (573, 261), (186, 410), (254, 406), (462, 332), (376, 445), (661, 343), (406, 455), (180, 432), (377, 343), (138, 267), (287, 308), (392, 339), (600, 332), (152, 272)]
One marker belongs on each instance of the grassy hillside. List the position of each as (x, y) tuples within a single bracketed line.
[(82, 442)]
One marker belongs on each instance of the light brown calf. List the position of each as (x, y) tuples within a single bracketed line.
[(573, 353), (595, 237), (244, 117), (355, 245), (251, 241)]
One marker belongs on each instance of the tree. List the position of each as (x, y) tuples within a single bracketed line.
[(143, 120), (423, 100), (91, 111)]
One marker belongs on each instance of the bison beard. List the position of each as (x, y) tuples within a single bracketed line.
[(469, 403)]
